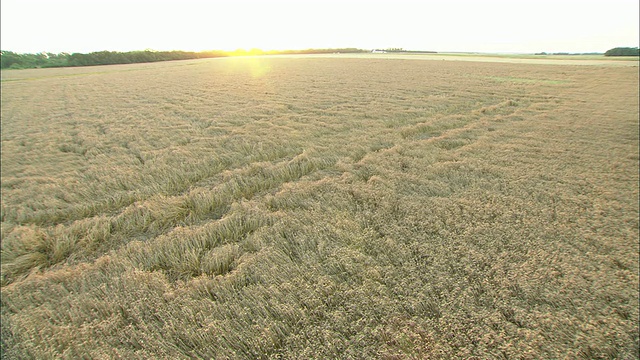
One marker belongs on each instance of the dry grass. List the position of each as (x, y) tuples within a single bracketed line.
[(320, 208)]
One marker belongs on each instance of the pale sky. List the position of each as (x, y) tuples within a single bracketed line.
[(455, 25)]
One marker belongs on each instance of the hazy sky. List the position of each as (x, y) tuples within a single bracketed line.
[(455, 25)]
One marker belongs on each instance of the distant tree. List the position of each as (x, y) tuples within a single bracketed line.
[(623, 51), (78, 59), (9, 59)]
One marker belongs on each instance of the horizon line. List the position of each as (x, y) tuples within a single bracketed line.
[(256, 50)]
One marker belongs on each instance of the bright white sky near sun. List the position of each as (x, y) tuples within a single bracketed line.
[(454, 25)]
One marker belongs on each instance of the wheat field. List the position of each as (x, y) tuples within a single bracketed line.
[(321, 207)]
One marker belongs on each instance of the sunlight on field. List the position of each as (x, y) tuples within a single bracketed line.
[(585, 60), (321, 207)]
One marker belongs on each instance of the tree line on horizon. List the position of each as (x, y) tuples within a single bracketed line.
[(623, 51), (618, 51), (13, 60)]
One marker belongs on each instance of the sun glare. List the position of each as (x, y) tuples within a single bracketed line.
[(258, 67), (254, 65)]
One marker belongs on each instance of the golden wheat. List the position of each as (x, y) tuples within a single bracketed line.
[(321, 207)]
